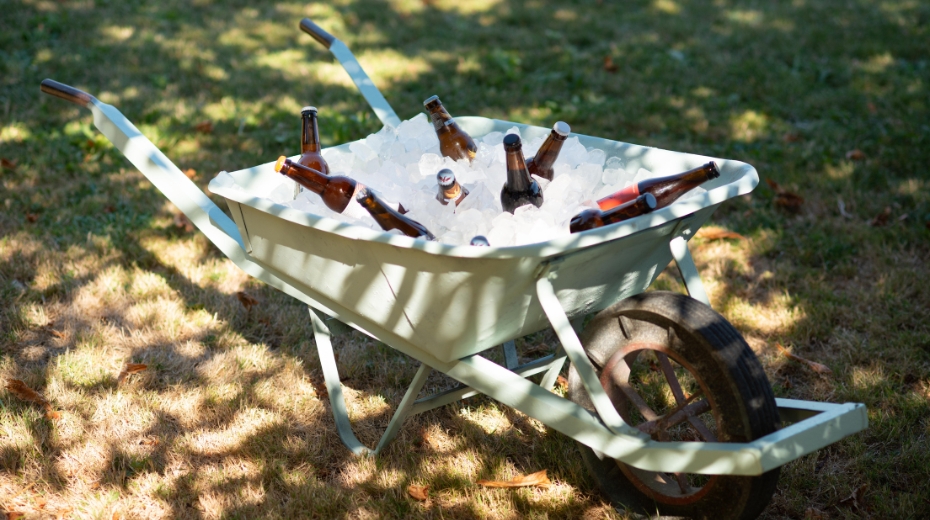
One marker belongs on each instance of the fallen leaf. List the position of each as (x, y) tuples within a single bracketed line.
[(791, 137), (32, 217), (533, 479), (204, 127), (20, 390), (130, 369), (882, 218), (789, 201), (561, 382), (855, 155), (855, 499), (8, 163), (418, 492), (14, 515), (774, 185), (609, 64), (190, 173), (115, 515), (182, 222), (109, 208), (813, 513), (55, 333), (820, 368), (149, 442), (246, 300), (716, 233)]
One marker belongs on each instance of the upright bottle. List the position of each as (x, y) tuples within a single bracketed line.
[(480, 240), (310, 148), (336, 191), (520, 189), (453, 141), (388, 218), (449, 188), (541, 163), (665, 189), (594, 218)]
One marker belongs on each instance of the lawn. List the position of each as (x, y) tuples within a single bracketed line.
[(828, 100)]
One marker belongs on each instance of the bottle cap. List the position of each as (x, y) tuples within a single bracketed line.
[(649, 199), (430, 100), (280, 164), (445, 177), (304, 110), (511, 141), (714, 171), (480, 241), (562, 128)]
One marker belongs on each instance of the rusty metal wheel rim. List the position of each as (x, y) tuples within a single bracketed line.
[(662, 487)]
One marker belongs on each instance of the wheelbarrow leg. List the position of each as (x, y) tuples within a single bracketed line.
[(688, 270), (324, 347), (510, 355)]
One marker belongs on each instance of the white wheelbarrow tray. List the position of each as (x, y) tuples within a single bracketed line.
[(443, 305)]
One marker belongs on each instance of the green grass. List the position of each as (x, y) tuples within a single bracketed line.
[(88, 248)]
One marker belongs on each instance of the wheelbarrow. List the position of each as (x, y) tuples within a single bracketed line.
[(709, 442)]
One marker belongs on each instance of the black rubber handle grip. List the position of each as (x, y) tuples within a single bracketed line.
[(68, 93), (317, 32)]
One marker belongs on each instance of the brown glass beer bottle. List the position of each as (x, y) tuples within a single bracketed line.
[(665, 189), (453, 141), (310, 148), (336, 191), (388, 218), (480, 240), (449, 188), (594, 218), (541, 163), (520, 189)]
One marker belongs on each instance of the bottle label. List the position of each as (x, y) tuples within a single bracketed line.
[(625, 195)]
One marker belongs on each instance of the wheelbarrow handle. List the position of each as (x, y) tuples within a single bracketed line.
[(317, 32), (67, 92)]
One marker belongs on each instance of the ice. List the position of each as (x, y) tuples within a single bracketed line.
[(400, 165)]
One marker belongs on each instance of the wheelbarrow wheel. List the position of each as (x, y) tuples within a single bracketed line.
[(679, 371)]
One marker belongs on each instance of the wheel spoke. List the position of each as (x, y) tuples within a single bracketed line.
[(682, 483), (702, 428), (640, 403), (670, 376), (680, 414)]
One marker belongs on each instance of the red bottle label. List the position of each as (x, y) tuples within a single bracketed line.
[(621, 197)]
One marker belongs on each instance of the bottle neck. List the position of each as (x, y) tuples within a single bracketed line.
[(518, 178), (310, 134), (442, 120), (549, 151)]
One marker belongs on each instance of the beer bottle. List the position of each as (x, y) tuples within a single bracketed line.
[(665, 189), (520, 189), (449, 188), (336, 191), (480, 240), (453, 141), (310, 155), (388, 218), (595, 218), (541, 163)]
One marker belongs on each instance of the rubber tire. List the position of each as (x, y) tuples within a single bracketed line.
[(735, 378)]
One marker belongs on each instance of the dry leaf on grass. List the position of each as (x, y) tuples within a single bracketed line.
[(14, 515), (855, 155), (182, 222), (882, 218), (32, 217), (247, 300), (204, 127), (609, 64), (538, 479), (130, 369), (22, 391), (190, 173), (418, 492), (717, 233), (791, 137), (855, 499), (820, 368), (785, 199), (561, 382), (8, 164), (812, 513), (56, 333)]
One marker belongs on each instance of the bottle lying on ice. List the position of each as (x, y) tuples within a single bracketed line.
[(336, 191), (453, 141), (388, 218), (520, 189), (541, 163), (480, 240), (665, 189), (449, 188), (595, 218)]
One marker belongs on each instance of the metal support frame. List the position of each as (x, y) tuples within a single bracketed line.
[(687, 269)]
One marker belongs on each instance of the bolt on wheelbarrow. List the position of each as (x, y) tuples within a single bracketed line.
[(712, 446)]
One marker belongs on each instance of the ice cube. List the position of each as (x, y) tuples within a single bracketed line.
[(283, 193), (642, 174), (513, 130), (611, 176), (362, 151), (614, 163), (572, 153), (429, 164), (596, 156)]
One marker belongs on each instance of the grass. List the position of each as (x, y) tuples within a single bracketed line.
[(228, 420)]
